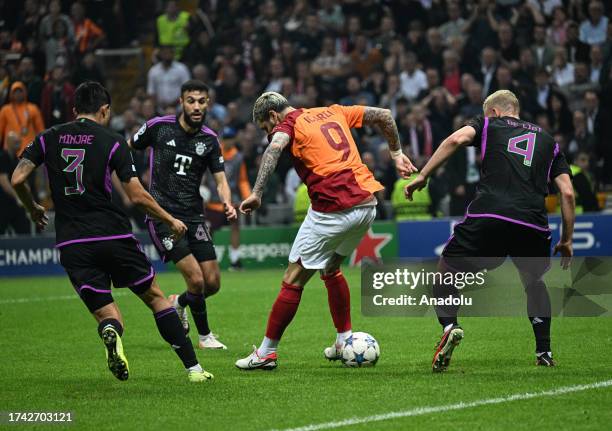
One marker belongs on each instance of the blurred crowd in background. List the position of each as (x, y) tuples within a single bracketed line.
[(430, 62)]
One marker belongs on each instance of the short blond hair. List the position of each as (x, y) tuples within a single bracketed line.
[(268, 101), (505, 100)]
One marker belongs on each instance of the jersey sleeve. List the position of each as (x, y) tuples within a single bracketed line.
[(353, 114), (35, 151), (142, 138), (122, 163), (477, 123), (216, 163), (559, 166)]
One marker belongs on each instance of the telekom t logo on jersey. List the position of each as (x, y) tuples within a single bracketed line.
[(526, 152), (182, 163)]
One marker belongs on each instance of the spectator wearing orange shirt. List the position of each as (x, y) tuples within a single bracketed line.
[(20, 116), (87, 34)]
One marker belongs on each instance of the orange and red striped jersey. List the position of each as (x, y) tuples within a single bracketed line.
[(326, 158)]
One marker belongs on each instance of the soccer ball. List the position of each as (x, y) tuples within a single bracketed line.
[(360, 350)]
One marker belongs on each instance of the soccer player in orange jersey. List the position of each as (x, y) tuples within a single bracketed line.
[(343, 206)]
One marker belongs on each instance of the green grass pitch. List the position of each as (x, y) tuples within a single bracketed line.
[(52, 360)]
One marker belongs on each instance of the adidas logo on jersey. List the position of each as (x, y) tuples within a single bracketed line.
[(171, 143)]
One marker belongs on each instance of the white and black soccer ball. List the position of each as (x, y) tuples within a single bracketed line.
[(360, 350)]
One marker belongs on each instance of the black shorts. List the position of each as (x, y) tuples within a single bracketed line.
[(91, 266), (197, 241), (476, 238)]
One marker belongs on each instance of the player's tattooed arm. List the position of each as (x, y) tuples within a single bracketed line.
[(24, 169), (269, 160), (386, 123), (270, 157)]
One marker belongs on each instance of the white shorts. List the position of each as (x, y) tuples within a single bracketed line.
[(323, 234)]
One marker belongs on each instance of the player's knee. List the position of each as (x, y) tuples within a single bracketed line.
[(212, 284), (196, 283)]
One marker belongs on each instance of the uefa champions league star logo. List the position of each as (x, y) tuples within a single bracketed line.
[(200, 148), (168, 245)]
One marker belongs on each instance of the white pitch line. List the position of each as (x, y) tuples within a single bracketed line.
[(49, 298), (419, 411)]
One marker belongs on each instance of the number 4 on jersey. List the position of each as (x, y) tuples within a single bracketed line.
[(527, 152)]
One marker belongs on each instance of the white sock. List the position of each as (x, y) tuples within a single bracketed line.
[(234, 254), (267, 346), (447, 327), (342, 336), (204, 337), (196, 367)]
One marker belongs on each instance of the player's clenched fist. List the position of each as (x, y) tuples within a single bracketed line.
[(178, 228), (250, 204)]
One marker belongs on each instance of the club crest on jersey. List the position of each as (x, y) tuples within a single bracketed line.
[(168, 244), (200, 148)]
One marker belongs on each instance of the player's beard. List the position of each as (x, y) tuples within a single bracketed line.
[(195, 124)]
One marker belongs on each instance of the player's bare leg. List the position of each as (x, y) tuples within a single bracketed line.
[(110, 329), (171, 330), (339, 299), (283, 311)]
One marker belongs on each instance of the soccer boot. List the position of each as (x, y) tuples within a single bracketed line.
[(254, 361), (333, 353), (444, 349), (117, 362), (199, 376), (210, 341), (181, 311), (544, 359)]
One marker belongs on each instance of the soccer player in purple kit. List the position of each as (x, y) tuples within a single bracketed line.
[(507, 217), (93, 235), (182, 149)]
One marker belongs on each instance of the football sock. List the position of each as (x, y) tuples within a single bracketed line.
[(541, 331), (339, 299), (234, 254), (114, 323), (447, 314), (539, 310), (182, 299), (267, 346), (171, 330), (449, 326), (196, 367), (283, 310), (197, 305), (342, 336)]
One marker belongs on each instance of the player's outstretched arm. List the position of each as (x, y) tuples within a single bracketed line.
[(225, 193), (142, 199), (460, 137), (268, 163), (568, 216), (24, 169), (383, 119)]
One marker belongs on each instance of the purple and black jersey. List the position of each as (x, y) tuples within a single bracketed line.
[(80, 157), (519, 159), (178, 161)]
